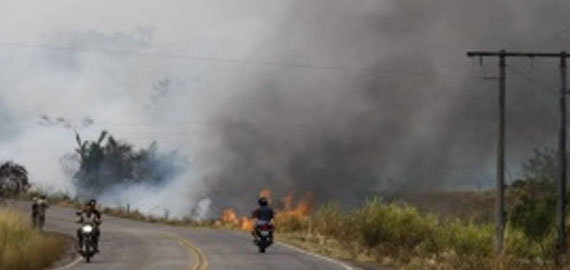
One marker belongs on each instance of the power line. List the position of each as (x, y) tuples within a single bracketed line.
[(561, 207), (540, 84), (177, 56), (237, 61), (533, 80), (550, 89)]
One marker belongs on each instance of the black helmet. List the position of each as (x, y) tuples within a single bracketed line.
[(262, 201), (92, 202)]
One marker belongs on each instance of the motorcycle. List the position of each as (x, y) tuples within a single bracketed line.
[(264, 236), (87, 248)]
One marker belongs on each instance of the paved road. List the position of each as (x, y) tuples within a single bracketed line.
[(132, 245)]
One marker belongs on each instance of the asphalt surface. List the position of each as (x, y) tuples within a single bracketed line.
[(130, 245)]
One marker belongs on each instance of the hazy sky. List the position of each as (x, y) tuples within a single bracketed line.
[(290, 94)]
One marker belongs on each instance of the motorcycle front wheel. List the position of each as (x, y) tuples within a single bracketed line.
[(87, 252)]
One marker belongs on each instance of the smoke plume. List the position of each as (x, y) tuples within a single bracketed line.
[(336, 98)]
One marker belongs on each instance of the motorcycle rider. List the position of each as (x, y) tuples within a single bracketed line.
[(89, 215), (263, 216), (93, 204), (39, 208)]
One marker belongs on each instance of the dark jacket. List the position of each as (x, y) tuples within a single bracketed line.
[(264, 213)]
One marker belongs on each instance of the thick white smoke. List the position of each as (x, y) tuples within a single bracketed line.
[(291, 94), (110, 62)]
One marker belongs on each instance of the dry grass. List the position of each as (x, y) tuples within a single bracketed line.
[(24, 248), (449, 205), (392, 234), (66, 201), (446, 230)]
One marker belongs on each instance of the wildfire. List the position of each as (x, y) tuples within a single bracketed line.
[(300, 210), (229, 216), (246, 224)]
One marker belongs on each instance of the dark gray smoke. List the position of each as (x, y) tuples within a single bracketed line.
[(340, 98), (394, 104)]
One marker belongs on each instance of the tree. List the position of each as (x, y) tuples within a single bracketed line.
[(534, 197), (13, 179), (108, 162)]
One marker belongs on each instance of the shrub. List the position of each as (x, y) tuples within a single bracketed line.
[(393, 225), (533, 211), (291, 222), (330, 221), (468, 239), (518, 244), (400, 234)]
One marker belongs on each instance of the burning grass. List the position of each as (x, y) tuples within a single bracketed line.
[(402, 236), (24, 248), (396, 234), (289, 218), (388, 234)]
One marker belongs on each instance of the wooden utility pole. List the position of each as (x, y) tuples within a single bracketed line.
[(562, 151), (500, 202)]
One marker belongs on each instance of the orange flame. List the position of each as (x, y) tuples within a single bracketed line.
[(246, 224), (299, 210), (229, 216)]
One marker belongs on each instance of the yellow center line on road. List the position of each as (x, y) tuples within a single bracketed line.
[(200, 259)]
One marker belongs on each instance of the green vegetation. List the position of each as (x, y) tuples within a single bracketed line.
[(24, 248), (400, 235), (388, 233), (13, 179), (108, 162)]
